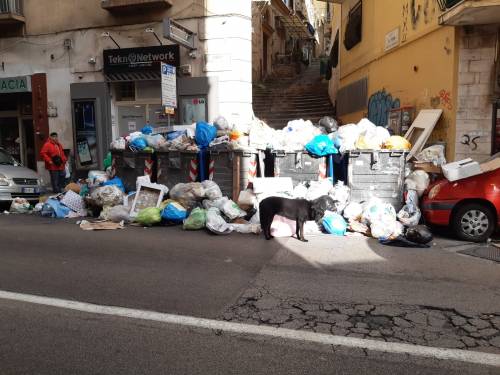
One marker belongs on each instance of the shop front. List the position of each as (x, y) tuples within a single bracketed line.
[(134, 76), (23, 117)]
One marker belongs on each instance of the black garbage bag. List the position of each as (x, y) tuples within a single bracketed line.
[(401, 241), (419, 234), (329, 123), (320, 205)]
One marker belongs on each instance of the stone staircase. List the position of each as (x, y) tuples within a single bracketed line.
[(279, 100)]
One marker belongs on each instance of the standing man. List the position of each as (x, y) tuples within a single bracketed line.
[(53, 154)]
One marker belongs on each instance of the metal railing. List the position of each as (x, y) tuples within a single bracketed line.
[(447, 4), (11, 6)]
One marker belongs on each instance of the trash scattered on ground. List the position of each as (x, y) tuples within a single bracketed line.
[(207, 204), (100, 225)]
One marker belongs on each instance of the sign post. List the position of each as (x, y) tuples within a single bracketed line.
[(168, 89)]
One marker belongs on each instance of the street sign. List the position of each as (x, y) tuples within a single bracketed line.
[(168, 86)]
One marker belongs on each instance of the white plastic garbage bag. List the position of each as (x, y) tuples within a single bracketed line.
[(347, 137), (221, 123), (418, 180), (188, 194), (318, 189), (96, 178), (353, 211), (409, 215), (245, 228), (118, 144), (232, 210), (433, 154), (378, 212), (300, 191), (412, 198), (365, 126), (19, 206), (118, 214), (215, 222), (156, 141), (384, 230), (212, 190), (282, 227), (110, 195), (340, 194)]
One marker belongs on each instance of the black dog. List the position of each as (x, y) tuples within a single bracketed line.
[(299, 210)]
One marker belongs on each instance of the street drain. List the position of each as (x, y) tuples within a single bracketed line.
[(485, 252)]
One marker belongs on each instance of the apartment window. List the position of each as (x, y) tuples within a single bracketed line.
[(354, 29), (125, 91)]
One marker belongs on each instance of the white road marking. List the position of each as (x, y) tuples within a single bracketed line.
[(350, 342)]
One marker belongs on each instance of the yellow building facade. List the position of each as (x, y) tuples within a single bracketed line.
[(401, 53)]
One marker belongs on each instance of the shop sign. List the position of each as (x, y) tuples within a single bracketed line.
[(391, 39), (15, 84), (168, 86), (140, 59)]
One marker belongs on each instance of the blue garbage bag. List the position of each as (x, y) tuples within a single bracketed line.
[(115, 181), (54, 208), (321, 145), (335, 224), (204, 134), (148, 130), (139, 143), (174, 213)]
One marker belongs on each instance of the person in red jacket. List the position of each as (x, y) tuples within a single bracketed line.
[(55, 161)]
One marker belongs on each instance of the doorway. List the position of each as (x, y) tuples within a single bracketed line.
[(29, 149), (10, 140)]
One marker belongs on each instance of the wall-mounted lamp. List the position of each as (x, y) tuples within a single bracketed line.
[(106, 34), (150, 30)]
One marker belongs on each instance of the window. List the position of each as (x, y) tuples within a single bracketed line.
[(354, 29), (125, 91)]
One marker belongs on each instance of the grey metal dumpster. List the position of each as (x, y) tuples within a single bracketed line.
[(233, 170), (378, 174)]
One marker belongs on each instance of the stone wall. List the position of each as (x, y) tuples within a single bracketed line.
[(475, 99)]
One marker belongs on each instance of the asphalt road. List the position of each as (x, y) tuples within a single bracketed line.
[(160, 269), (42, 340), (197, 274)]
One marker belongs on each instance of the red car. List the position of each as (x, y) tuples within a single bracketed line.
[(471, 207)]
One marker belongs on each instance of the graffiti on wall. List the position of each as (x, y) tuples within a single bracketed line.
[(429, 11), (379, 106), (415, 9), (443, 99), (404, 29), (470, 140)]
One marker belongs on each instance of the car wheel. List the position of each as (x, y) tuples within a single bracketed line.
[(473, 222)]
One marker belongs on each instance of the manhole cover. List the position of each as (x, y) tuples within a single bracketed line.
[(485, 252)]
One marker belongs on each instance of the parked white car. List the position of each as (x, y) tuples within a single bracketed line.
[(17, 180)]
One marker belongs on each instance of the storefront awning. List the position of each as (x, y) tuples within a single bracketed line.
[(295, 26), (133, 76)]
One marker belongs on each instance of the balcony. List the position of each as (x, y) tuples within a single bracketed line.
[(126, 5), (469, 12), (11, 13)]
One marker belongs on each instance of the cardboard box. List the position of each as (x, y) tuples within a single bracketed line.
[(461, 169), (427, 167)]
